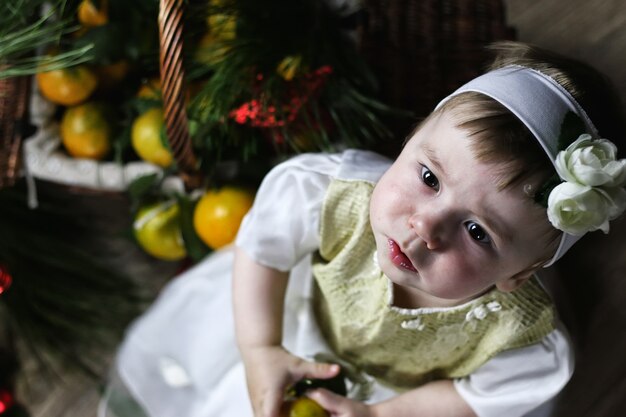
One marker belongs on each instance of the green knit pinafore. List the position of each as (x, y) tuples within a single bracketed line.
[(404, 348)]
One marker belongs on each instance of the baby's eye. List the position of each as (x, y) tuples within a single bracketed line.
[(477, 232), (429, 178)]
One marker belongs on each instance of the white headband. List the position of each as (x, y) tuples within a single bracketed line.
[(541, 104)]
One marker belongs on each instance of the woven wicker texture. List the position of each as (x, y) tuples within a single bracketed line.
[(13, 110), (421, 50), (172, 81)]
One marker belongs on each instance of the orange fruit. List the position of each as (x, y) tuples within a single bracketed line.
[(157, 230), (151, 89), (145, 138), (86, 131), (90, 15), (67, 86), (112, 74), (218, 215), (302, 407)]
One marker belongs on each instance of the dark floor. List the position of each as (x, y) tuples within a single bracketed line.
[(592, 288), (591, 292), (593, 30)]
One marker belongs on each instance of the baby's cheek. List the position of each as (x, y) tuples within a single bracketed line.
[(381, 206), (464, 276)]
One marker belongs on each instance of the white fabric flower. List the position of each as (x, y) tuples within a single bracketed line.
[(577, 209), (591, 162), (593, 191)]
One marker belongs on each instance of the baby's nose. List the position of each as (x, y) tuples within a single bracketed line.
[(429, 229)]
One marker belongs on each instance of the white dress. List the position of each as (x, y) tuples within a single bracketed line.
[(180, 357)]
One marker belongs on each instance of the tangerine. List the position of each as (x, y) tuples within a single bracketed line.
[(67, 86), (303, 407), (91, 16), (158, 231), (112, 74), (218, 215), (85, 131), (150, 89), (146, 138)]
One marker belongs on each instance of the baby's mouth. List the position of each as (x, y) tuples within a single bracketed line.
[(398, 258)]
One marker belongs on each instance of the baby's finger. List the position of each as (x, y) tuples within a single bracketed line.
[(333, 403), (318, 370)]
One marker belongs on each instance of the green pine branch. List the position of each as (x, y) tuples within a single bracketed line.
[(344, 110), (64, 304), (25, 32)]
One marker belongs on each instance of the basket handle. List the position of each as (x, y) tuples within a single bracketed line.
[(172, 75)]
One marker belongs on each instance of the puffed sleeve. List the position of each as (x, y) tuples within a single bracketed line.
[(516, 382), (282, 226)]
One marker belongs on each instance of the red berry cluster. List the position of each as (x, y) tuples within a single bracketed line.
[(5, 279), (257, 113)]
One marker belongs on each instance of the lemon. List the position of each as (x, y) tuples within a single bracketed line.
[(157, 230), (218, 215), (146, 138), (85, 131)]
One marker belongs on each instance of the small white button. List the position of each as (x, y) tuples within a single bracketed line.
[(480, 312), (494, 306), (415, 324)]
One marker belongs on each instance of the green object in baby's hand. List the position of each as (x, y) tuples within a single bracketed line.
[(336, 384), (296, 404)]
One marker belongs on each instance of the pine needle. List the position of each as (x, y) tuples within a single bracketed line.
[(64, 304), (33, 65), (23, 37)]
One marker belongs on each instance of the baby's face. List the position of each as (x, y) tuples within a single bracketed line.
[(444, 232)]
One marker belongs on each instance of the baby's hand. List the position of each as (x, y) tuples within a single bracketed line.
[(271, 369), (339, 406)]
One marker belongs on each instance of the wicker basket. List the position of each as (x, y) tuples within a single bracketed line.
[(420, 50), (14, 94), (172, 82), (45, 161)]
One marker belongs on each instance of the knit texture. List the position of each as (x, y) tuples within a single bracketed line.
[(404, 348)]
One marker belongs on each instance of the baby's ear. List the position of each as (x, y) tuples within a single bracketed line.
[(516, 281)]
